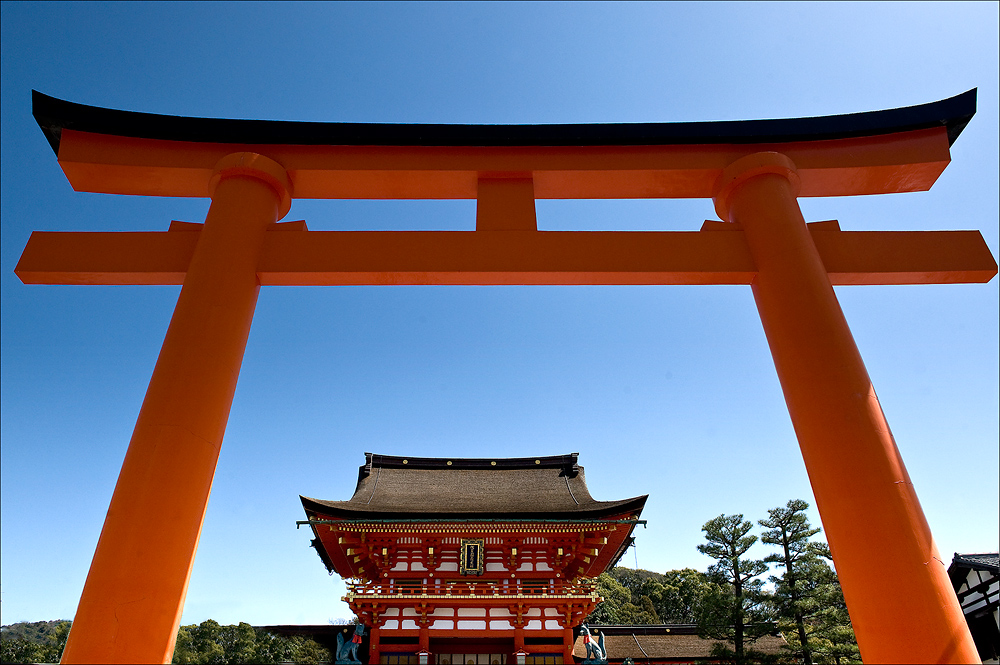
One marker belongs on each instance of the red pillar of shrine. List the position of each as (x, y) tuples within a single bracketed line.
[(134, 594), (897, 589), (374, 646)]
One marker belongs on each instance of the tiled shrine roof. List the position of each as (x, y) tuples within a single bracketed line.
[(659, 643), (986, 561), (526, 487)]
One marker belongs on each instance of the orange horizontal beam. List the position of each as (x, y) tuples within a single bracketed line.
[(504, 257), (106, 257), (889, 163), (327, 258), (903, 257)]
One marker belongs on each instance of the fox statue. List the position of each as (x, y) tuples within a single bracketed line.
[(596, 655), (347, 652)]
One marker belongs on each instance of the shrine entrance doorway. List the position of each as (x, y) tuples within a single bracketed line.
[(472, 652)]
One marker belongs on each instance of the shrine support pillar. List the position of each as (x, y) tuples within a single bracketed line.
[(374, 648), (134, 594), (897, 589), (518, 637), (424, 638), (568, 645)]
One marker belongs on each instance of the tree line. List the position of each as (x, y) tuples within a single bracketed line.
[(204, 643), (731, 603), (33, 642)]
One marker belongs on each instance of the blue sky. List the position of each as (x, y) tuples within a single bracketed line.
[(668, 391)]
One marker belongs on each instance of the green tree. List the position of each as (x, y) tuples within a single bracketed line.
[(795, 589), (184, 651), (643, 585), (37, 632), (619, 607), (808, 599), (39, 642), (834, 634), (57, 641), (19, 650), (639, 582), (682, 595), (738, 612), (271, 648), (643, 596), (308, 651), (205, 636), (209, 642), (239, 643)]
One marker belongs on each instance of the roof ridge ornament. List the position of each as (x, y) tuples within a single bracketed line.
[(567, 463)]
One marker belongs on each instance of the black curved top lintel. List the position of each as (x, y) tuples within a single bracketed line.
[(53, 115)]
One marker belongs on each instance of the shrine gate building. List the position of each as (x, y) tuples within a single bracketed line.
[(489, 561)]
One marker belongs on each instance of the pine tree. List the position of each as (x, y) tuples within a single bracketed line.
[(807, 595), (835, 641), (790, 530), (740, 615)]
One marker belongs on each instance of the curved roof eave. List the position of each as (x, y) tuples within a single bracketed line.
[(53, 115), (341, 510)]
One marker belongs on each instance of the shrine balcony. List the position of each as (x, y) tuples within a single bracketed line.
[(473, 590)]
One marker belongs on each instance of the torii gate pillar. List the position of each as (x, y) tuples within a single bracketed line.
[(856, 471), (139, 576)]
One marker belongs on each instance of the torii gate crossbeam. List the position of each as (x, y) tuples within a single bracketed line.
[(754, 170)]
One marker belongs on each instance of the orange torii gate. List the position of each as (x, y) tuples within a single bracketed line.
[(754, 170)]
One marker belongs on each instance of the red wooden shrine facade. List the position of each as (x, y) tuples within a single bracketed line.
[(471, 560)]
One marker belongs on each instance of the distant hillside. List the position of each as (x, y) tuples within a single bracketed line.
[(32, 631)]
